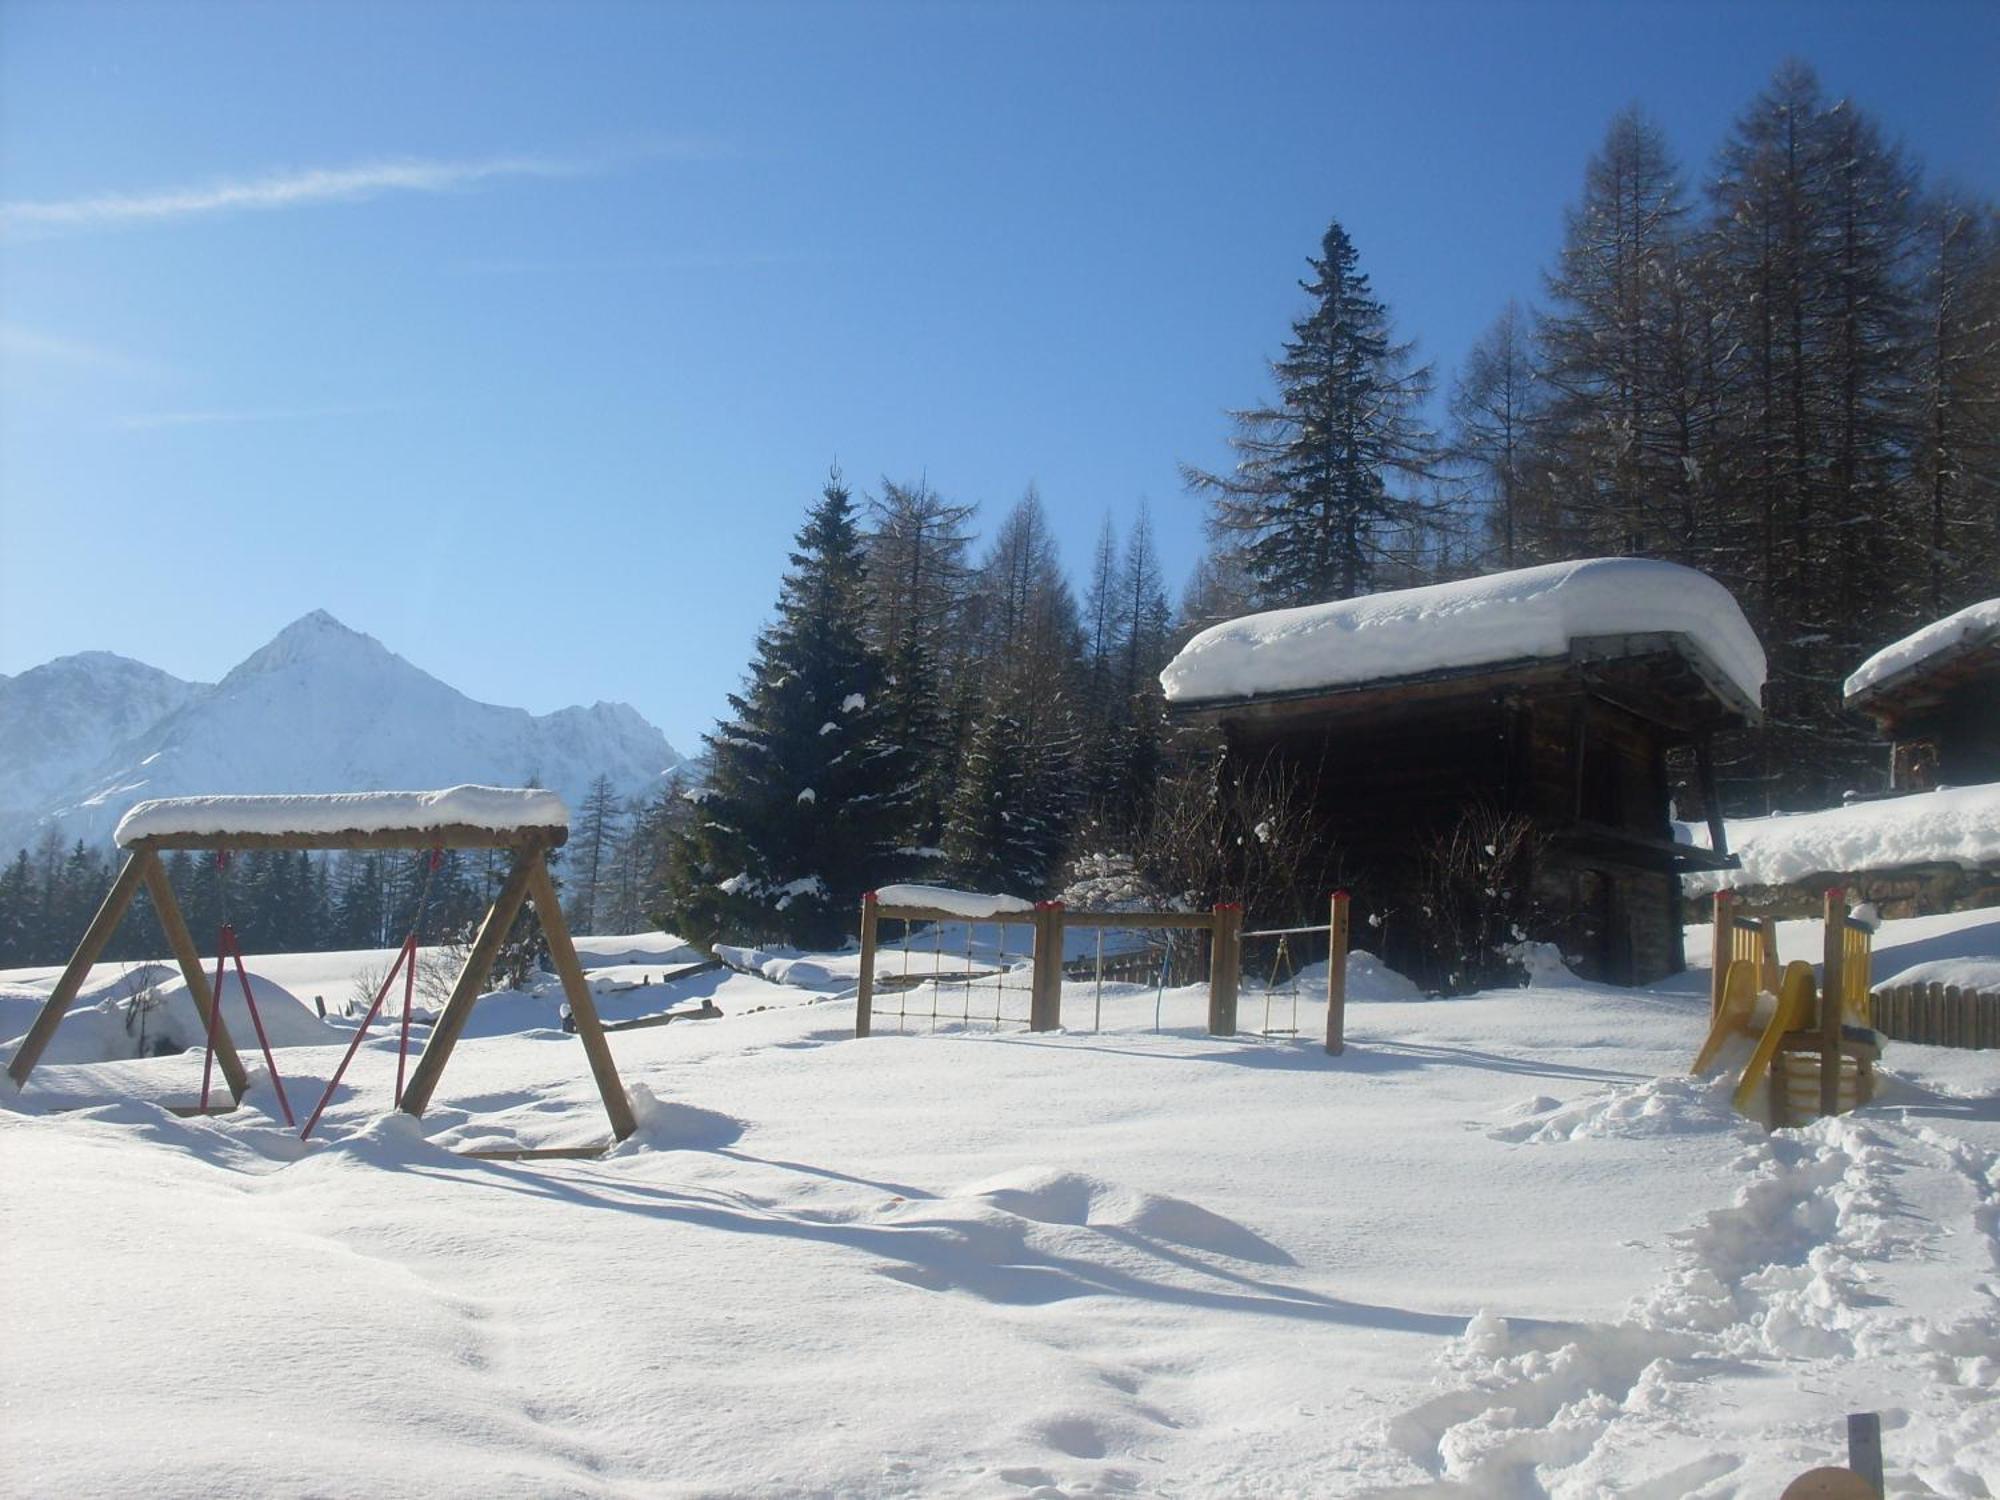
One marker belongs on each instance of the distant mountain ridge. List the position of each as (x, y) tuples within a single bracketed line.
[(319, 708)]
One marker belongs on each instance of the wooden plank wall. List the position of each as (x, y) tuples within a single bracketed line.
[(1937, 1015)]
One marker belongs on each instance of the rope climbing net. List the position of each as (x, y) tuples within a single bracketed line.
[(937, 973)]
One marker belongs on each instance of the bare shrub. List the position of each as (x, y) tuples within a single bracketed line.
[(1471, 884), (1254, 839)]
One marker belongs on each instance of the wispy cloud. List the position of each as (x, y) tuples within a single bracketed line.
[(231, 416), (309, 185), (28, 344)]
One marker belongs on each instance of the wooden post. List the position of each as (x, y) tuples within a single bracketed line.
[(1721, 945), (1225, 963), (1704, 769), (1829, 1000), (1045, 994), (576, 989), (864, 997), (458, 1009), (192, 974), (1864, 1446), (109, 914), (1336, 976)]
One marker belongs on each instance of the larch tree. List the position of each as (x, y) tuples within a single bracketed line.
[(1609, 439), (1957, 454), (1813, 232), (918, 582), (1308, 506), (591, 850), (808, 796), (1494, 406)]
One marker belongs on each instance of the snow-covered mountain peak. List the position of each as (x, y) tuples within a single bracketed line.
[(318, 640), (321, 707)]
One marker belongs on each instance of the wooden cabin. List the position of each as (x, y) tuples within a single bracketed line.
[(1553, 694), (1935, 696)]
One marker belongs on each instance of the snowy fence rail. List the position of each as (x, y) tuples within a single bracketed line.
[(1937, 1015)]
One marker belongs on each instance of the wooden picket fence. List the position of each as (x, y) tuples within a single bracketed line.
[(1937, 1015)]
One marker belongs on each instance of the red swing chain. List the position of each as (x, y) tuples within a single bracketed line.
[(405, 964), (227, 944), (410, 974)]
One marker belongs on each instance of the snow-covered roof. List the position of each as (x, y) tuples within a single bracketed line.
[(1531, 613), (497, 808), (1960, 825), (1974, 626)]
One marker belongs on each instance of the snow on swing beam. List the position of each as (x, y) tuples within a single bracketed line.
[(526, 820), (459, 817)]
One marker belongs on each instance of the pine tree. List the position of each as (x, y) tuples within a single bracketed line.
[(1308, 506), (18, 938), (1012, 817), (1024, 684), (809, 793)]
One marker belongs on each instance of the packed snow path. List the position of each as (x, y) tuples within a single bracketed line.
[(1500, 1248)]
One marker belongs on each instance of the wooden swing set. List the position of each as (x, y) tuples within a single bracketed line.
[(230, 824)]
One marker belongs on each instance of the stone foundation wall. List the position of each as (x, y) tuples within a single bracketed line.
[(1909, 891)]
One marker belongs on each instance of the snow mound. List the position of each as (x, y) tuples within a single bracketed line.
[(1975, 625), (1658, 1107), (488, 807), (1047, 1195), (805, 973), (662, 950), (1368, 978), (973, 904), (1543, 966), (1959, 825), (664, 1125), (1532, 613), (155, 1018)]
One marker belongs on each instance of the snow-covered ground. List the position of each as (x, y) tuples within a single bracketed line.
[(1502, 1247)]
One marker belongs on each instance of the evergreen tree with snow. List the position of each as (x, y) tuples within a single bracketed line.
[(809, 793), (1025, 731), (1016, 803), (1308, 507)]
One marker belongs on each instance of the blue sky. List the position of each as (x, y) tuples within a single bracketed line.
[(520, 335)]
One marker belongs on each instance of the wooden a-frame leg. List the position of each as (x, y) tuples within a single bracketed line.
[(582, 1008), (189, 958), (116, 900), (458, 1009)]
